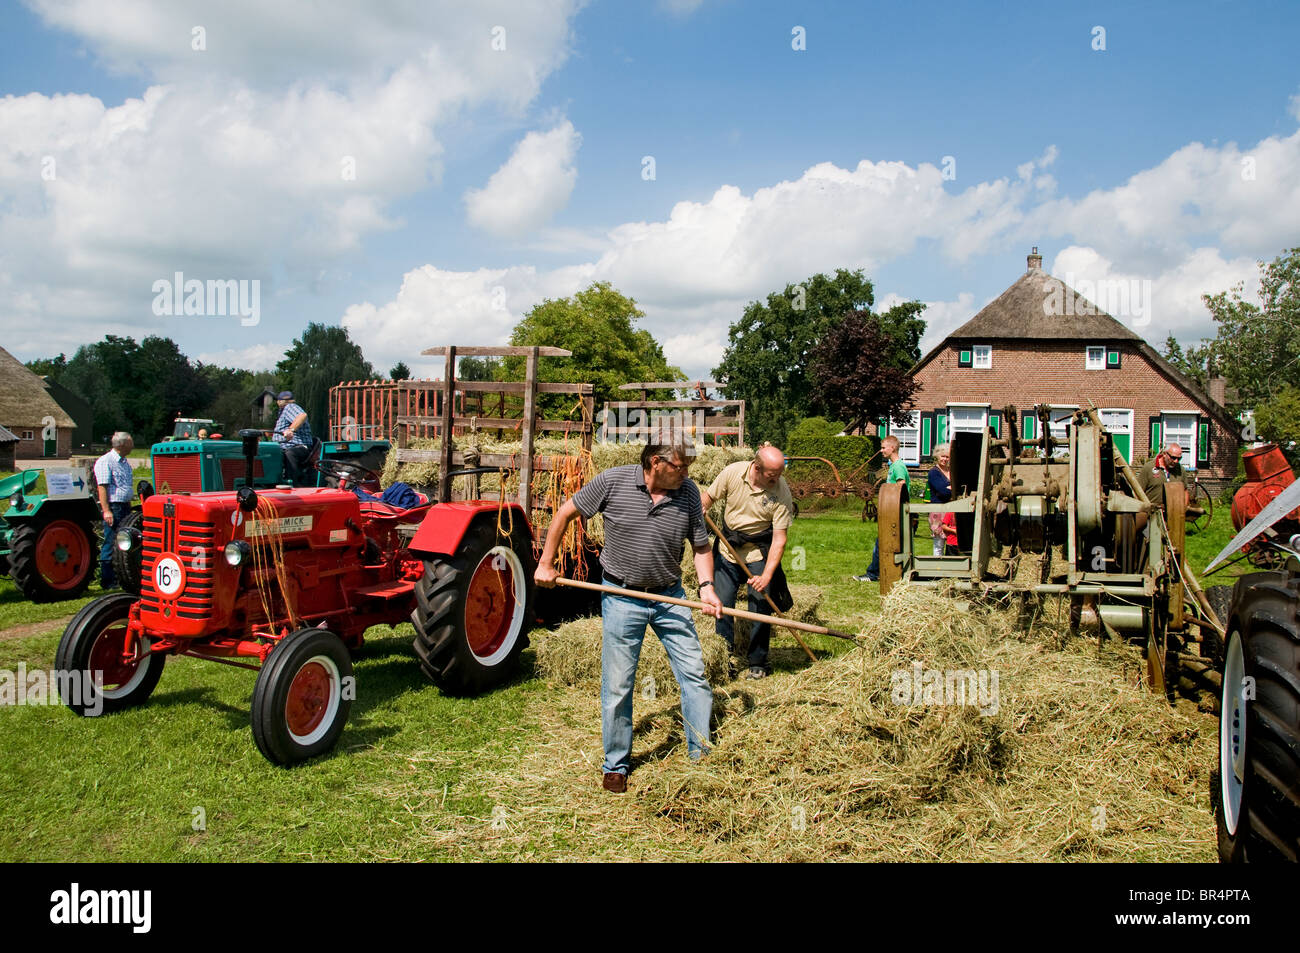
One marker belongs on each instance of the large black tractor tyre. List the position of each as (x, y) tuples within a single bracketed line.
[(53, 558), (1256, 787), (474, 609), (91, 653), (303, 696), (126, 565)]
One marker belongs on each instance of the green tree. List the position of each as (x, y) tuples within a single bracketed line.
[(49, 366), (860, 371), (599, 326), (1257, 346), (769, 351), (1277, 419), (477, 368), (322, 357), (399, 372)]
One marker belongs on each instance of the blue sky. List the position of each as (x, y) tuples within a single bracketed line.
[(498, 157)]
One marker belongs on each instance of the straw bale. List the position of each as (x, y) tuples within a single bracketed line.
[(571, 653)]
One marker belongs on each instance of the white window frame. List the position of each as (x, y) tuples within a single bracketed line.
[(1060, 434), (975, 361), (956, 427), (1094, 365), (1189, 449), (909, 439), (29, 435)]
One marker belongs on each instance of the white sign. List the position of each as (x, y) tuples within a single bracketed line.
[(279, 527), (63, 483), (168, 577)]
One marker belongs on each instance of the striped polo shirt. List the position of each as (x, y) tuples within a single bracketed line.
[(643, 540)]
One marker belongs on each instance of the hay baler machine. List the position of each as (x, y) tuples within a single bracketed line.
[(286, 581), (1064, 518)]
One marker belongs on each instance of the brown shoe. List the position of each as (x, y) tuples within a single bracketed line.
[(615, 781)]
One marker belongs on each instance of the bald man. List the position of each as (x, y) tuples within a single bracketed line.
[(757, 511)]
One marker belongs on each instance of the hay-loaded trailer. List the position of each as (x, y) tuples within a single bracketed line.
[(1052, 517)]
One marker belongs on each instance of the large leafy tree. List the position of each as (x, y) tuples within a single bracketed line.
[(860, 371), (322, 357), (768, 358), (598, 325), (1256, 346)]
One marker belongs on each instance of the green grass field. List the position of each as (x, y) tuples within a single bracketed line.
[(179, 778)]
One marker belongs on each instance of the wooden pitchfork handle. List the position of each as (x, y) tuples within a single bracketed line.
[(737, 613), (736, 558)]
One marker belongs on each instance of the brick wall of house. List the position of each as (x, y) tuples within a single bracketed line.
[(34, 448), (1050, 372)]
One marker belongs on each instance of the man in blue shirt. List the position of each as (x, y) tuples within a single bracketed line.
[(294, 434), (113, 476)]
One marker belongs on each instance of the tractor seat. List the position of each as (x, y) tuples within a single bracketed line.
[(374, 509)]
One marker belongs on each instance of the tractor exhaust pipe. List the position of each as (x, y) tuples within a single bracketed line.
[(247, 496)]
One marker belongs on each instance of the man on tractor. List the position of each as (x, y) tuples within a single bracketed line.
[(294, 434), (113, 475)]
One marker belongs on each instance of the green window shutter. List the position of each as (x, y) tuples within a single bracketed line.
[(1112, 358), (1028, 427), (995, 424), (1156, 432), (964, 358), (940, 427), (882, 431), (926, 434), (1203, 442)]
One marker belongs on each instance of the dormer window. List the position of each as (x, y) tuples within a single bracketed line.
[(982, 355), (1096, 359)]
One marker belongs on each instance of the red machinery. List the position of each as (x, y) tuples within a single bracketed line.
[(1267, 475), (286, 582)]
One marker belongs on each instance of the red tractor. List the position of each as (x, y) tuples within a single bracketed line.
[(286, 582)]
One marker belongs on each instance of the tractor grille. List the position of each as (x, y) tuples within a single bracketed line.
[(232, 473), (177, 473), (193, 544)]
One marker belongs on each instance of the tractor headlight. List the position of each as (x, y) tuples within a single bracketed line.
[(236, 552), (16, 501), (125, 540)]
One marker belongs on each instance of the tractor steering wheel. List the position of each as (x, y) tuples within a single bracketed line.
[(355, 473)]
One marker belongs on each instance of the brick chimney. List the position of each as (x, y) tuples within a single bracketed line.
[(1218, 389), (1035, 260)]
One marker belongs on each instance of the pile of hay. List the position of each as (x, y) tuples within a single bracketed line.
[(570, 655), (1063, 755)]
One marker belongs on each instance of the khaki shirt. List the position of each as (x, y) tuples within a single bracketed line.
[(1153, 482), (750, 511)]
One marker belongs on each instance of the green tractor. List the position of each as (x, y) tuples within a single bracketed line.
[(48, 542)]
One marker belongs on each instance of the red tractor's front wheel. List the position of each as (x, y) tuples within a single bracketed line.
[(473, 610), (98, 671), (53, 559), (303, 696)]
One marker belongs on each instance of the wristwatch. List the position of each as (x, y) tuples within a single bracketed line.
[(707, 582)]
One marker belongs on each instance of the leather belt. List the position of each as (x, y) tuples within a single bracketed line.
[(615, 581)]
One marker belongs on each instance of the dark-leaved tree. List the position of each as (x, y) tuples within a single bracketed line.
[(858, 371), (322, 357)]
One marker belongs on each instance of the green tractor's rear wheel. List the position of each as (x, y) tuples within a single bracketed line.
[(1256, 787), (473, 610), (52, 559), (94, 651)]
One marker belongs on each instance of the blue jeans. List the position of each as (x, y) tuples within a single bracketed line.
[(727, 580), (625, 620), (874, 568), (120, 512)]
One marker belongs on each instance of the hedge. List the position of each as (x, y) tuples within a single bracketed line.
[(847, 453)]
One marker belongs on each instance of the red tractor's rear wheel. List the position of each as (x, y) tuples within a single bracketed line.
[(302, 697), (53, 559), (474, 609), (92, 652)]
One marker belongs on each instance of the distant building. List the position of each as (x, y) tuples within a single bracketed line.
[(1040, 342), (8, 441), (29, 410)]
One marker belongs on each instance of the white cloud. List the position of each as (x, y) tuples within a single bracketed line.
[(255, 357), (533, 184), (283, 145)]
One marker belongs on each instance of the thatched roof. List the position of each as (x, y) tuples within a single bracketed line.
[(1042, 307), (24, 401)]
